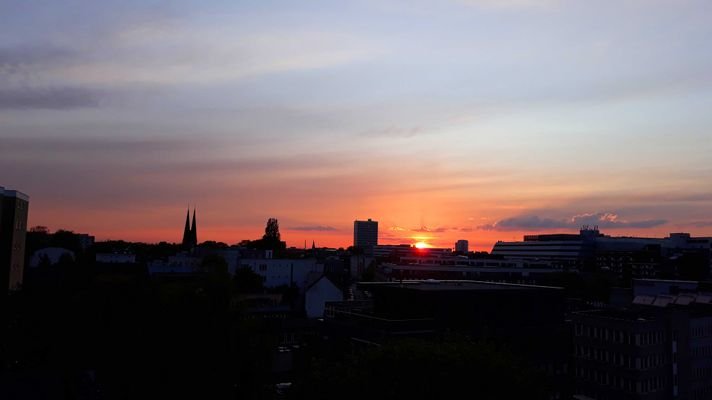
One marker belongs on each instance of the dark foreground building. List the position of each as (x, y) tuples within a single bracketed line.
[(529, 320), (660, 348), (13, 230)]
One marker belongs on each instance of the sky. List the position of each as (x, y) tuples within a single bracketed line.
[(454, 119)]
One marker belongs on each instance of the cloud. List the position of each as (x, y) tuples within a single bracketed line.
[(425, 229), (702, 224), (17, 58), (48, 98), (604, 220), (313, 228), (104, 150), (22, 85), (394, 132), (509, 4), (441, 229), (188, 54)]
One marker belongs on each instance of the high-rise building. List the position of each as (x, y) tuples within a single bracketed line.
[(462, 246), (13, 229), (366, 234)]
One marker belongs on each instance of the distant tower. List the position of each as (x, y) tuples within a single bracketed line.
[(462, 246), (190, 234), (366, 235)]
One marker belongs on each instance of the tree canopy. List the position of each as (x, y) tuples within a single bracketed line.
[(272, 230)]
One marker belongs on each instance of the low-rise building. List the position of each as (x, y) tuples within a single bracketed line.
[(283, 272), (49, 256)]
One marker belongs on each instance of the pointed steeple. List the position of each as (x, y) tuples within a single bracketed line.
[(186, 231), (313, 245), (194, 231)]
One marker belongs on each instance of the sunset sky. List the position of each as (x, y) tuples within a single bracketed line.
[(443, 120)]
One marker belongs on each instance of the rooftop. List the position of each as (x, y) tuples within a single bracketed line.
[(13, 193), (619, 314), (454, 285)]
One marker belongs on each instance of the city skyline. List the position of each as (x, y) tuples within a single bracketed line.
[(479, 120)]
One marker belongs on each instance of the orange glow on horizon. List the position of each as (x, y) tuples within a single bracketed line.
[(422, 245)]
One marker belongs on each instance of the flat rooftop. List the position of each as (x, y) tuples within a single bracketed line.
[(454, 285), (619, 314), (4, 192)]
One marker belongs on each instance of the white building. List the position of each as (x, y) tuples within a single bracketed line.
[(280, 272), (318, 294), (51, 254), (178, 264)]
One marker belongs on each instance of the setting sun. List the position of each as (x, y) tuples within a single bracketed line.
[(421, 245)]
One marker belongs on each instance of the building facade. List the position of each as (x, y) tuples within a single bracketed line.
[(660, 349), (366, 235), (13, 230), (462, 246), (678, 256)]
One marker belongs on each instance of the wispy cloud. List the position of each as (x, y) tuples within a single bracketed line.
[(183, 54), (425, 229), (22, 85), (604, 220), (509, 4), (313, 228), (394, 132), (441, 229)]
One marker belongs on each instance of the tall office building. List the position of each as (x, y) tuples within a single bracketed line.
[(366, 234), (13, 229), (462, 246)]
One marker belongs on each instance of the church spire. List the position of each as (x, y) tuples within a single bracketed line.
[(186, 231), (194, 231)]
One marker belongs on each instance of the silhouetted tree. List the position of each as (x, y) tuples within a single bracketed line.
[(211, 244), (272, 230), (271, 239), (40, 230)]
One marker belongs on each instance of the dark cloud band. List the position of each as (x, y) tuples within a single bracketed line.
[(602, 220), (48, 98)]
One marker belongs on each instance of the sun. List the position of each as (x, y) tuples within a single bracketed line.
[(421, 245)]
